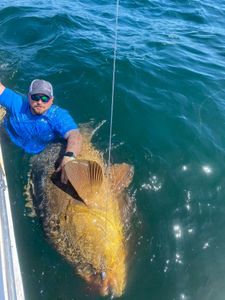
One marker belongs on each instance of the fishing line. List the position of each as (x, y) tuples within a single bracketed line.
[(202, 106), (113, 83), (108, 173)]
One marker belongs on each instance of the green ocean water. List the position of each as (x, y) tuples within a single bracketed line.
[(169, 122)]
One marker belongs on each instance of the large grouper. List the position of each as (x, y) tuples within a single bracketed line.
[(84, 219)]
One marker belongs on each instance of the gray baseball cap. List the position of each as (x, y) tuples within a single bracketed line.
[(39, 86)]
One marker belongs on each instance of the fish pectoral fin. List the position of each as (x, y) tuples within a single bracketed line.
[(121, 176), (85, 176)]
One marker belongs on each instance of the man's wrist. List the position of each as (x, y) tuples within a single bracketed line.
[(69, 154)]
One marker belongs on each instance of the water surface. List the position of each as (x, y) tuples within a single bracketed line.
[(169, 122)]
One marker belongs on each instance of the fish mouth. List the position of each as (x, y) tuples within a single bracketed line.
[(105, 286), (107, 289)]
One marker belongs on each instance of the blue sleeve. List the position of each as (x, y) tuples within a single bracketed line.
[(64, 122), (11, 100)]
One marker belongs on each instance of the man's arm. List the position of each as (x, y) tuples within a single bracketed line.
[(2, 88), (74, 141), (74, 144)]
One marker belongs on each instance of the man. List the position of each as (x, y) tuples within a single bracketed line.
[(34, 121)]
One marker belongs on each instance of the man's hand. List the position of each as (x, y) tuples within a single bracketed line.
[(61, 168)]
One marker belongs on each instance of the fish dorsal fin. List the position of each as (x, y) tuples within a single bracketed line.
[(85, 176), (121, 176)]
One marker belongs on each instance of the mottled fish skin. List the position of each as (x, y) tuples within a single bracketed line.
[(89, 235)]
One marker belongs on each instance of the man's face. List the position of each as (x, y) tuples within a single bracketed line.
[(39, 105)]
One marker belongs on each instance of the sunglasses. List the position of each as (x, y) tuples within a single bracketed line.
[(43, 98)]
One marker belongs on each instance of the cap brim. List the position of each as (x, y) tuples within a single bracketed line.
[(38, 91)]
